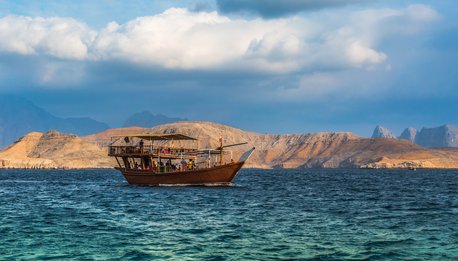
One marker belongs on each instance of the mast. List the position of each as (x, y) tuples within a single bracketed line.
[(220, 150)]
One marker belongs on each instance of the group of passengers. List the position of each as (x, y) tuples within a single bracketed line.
[(168, 166), (166, 151)]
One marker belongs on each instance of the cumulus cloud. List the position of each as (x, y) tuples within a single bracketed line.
[(60, 37), (182, 40), (276, 8), (358, 53)]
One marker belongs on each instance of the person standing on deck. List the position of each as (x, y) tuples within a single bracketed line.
[(183, 165), (161, 167), (141, 146), (155, 167), (190, 164), (168, 165)]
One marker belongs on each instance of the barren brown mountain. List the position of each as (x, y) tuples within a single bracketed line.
[(317, 150), (54, 150)]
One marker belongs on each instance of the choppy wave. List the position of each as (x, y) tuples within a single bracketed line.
[(265, 214), (197, 185)]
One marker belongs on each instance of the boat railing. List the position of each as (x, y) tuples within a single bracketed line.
[(177, 167), (135, 150)]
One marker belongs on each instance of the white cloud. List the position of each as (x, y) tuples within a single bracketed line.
[(59, 37), (183, 40), (359, 53)]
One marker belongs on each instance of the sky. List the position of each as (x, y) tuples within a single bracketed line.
[(290, 66)]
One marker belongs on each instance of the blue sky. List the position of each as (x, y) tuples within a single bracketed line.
[(269, 66)]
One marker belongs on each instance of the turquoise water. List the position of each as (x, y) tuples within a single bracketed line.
[(265, 215)]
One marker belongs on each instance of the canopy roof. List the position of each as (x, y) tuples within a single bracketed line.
[(154, 136)]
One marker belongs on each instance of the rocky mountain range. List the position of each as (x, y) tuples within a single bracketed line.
[(442, 136), (19, 116), (409, 134), (381, 132), (54, 150), (147, 119), (438, 137), (309, 150)]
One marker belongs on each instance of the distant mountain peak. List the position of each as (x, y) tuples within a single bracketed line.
[(19, 116), (409, 134), (147, 119), (382, 132), (442, 136)]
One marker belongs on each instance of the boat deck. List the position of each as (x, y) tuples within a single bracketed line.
[(137, 151)]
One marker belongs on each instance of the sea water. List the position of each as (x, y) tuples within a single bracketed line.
[(264, 215)]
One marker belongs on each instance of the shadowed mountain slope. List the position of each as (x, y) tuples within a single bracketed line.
[(19, 117), (147, 119)]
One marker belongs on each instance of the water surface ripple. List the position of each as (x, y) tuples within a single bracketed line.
[(265, 215)]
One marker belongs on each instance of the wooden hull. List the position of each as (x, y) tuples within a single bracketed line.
[(220, 175)]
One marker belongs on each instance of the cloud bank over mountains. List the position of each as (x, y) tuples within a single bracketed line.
[(182, 40), (277, 66)]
